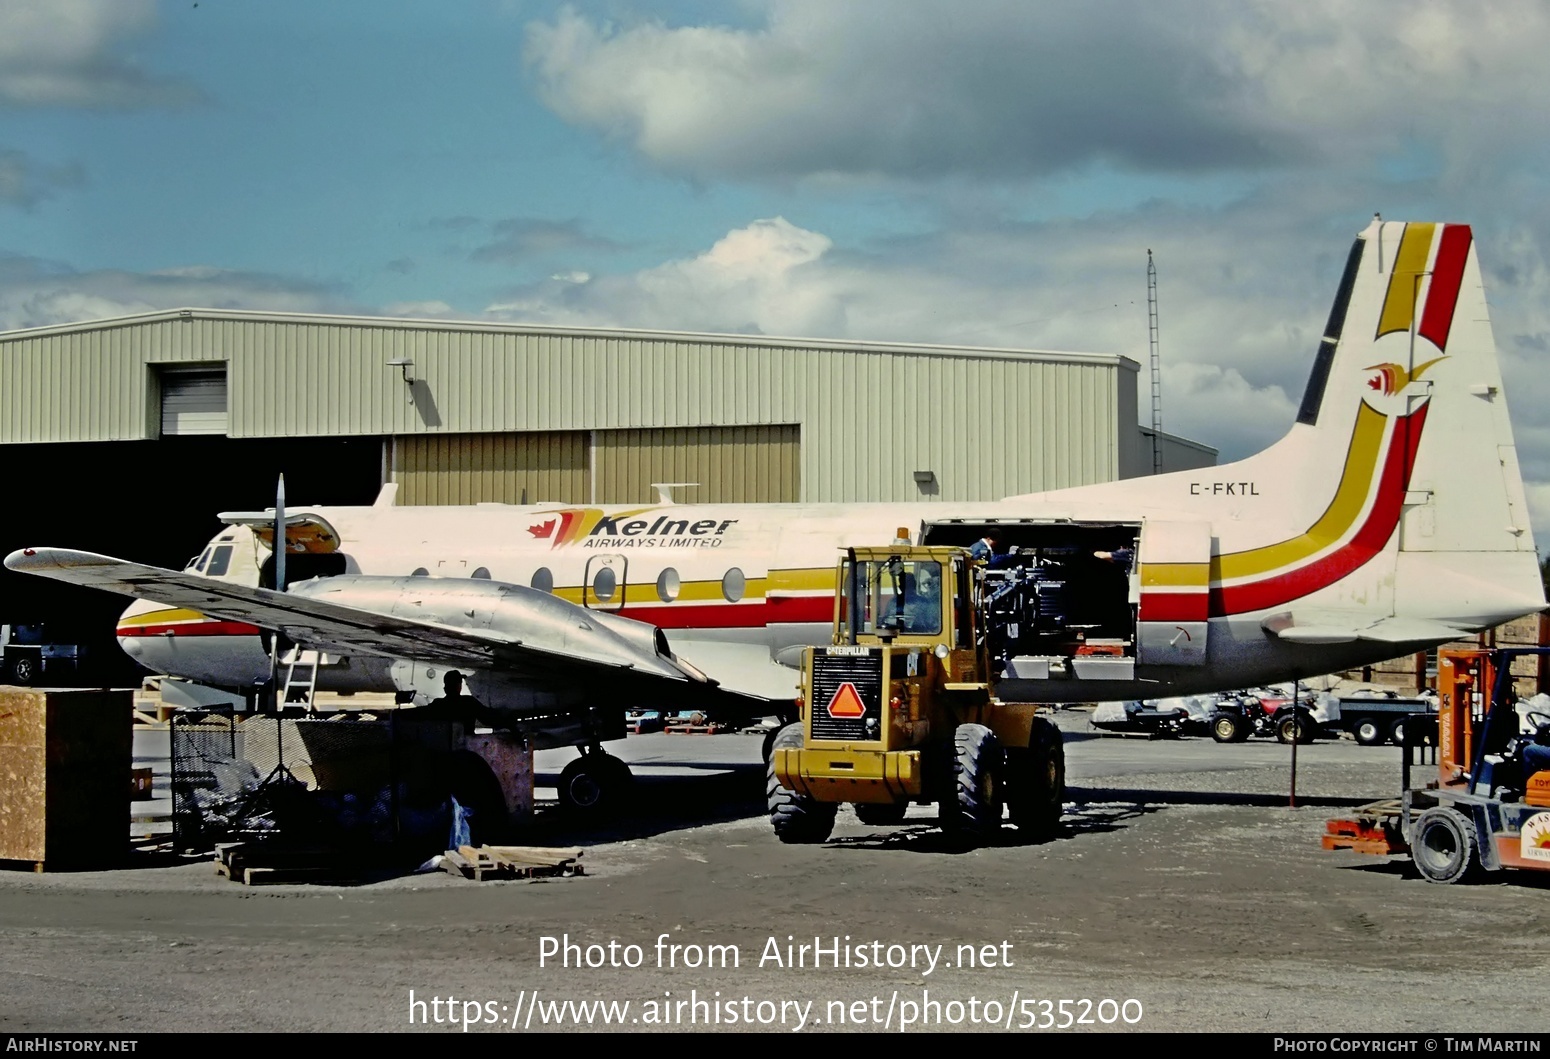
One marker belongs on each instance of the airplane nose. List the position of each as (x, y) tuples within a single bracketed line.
[(133, 627)]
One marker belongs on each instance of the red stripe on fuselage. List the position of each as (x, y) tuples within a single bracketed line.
[(753, 614), (1368, 542), (191, 628), (1174, 606)]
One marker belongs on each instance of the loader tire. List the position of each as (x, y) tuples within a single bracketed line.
[(1036, 781), (971, 809), (795, 817), (1443, 846)]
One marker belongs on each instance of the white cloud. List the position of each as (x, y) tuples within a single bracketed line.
[(70, 53), (757, 279), (1011, 89)]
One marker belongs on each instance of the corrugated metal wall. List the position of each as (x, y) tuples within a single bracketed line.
[(985, 423)]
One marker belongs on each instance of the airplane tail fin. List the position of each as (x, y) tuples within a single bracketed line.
[(1405, 400)]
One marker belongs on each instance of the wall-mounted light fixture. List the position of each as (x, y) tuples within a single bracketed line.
[(404, 365), (925, 477)]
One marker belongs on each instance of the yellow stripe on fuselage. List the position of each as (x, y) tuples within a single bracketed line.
[(161, 617), (1175, 575), (1356, 482)]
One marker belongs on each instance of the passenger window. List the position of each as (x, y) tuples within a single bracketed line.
[(605, 584), (733, 585), (543, 580), (220, 561), (668, 585)]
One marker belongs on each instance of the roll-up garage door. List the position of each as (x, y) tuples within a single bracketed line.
[(193, 401)]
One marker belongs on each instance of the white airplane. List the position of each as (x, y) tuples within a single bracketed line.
[(1390, 518)]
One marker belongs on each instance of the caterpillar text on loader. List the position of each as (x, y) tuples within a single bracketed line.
[(1489, 807), (901, 708)]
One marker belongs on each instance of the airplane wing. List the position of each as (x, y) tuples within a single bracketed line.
[(455, 623)]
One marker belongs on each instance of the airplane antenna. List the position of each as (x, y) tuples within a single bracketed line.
[(1151, 331), (279, 536), (665, 490)]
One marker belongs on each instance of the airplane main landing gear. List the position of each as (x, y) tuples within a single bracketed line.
[(596, 785)]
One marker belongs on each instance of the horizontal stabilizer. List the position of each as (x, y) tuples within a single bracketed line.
[(1329, 628)]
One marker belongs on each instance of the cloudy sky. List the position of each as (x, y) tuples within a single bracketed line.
[(990, 173)]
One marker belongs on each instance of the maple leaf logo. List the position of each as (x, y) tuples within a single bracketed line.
[(542, 530), (1392, 378)]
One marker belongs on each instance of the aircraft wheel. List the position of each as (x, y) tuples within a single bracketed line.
[(1036, 781), (881, 814), (971, 811), (1296, 728), (24, 670), (1225, 728), (595, 785), (795, 817), (1443, 846), (1369, 733)]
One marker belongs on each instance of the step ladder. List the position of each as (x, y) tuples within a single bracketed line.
[(301, 677)]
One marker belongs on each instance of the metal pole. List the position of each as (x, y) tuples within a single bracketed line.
[(1296, 733), (279, 584)]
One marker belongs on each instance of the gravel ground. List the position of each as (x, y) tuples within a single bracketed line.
[(1183, 894)]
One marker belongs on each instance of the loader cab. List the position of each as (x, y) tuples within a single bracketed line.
[(905, 595)]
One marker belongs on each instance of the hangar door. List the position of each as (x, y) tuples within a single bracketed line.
[(540, 467), (733, 465), (730, 464)]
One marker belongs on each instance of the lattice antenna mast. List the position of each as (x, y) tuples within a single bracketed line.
[(1151, 332)]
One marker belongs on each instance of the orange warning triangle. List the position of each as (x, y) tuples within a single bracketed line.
[(846, 702)]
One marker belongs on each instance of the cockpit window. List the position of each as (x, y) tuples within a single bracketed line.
[(197, 564), (220, 561)]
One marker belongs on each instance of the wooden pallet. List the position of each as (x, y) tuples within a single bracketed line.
[(511, 862), (257, 863), (1374, 828), (715, 728)]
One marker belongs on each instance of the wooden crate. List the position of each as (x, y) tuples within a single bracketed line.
[(65, 777)]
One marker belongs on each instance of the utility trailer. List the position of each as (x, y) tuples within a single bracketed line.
[(1489, 806), (902, 707), (28, 653), (1378, 718)]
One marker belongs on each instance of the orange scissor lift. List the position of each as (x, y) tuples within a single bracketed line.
[(1489, 806)]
